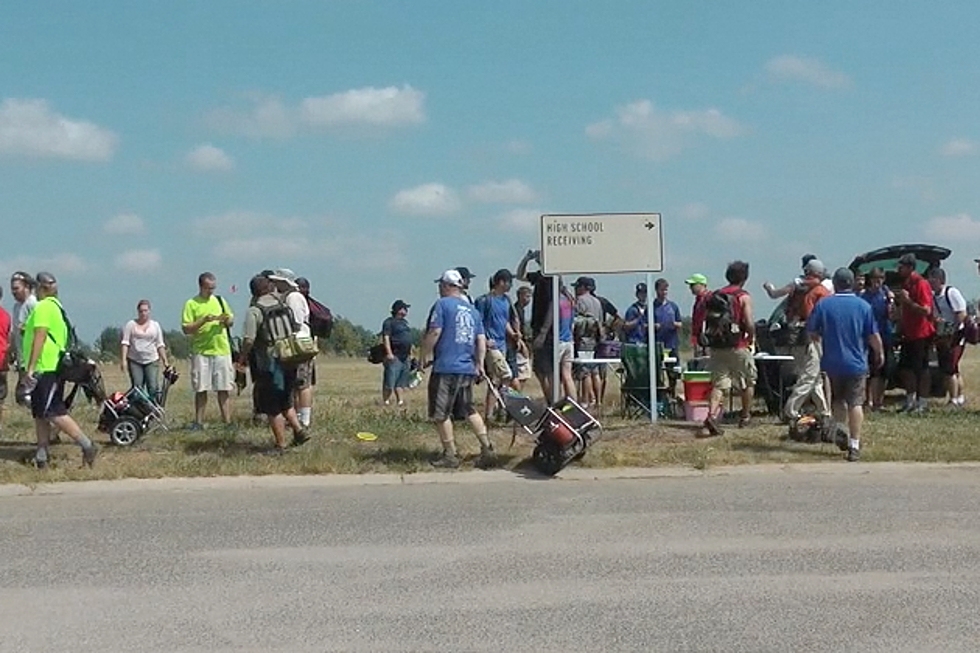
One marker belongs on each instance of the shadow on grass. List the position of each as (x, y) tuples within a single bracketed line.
[(16, 452), (224, 446), (815, 450), (419, 458)]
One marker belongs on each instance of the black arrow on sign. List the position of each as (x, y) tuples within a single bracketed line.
[(649, 225)]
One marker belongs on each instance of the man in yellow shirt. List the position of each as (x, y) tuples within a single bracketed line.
[(45, 339), (207, 319)]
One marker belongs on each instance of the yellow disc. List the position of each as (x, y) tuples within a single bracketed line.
[(367, 437)]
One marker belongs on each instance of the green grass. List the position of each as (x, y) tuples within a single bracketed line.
[(348, 402)]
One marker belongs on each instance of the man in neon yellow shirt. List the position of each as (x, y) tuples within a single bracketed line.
[(45, 339), (206, 320)]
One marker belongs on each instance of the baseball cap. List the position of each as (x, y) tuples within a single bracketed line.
[(303, 282), (465, 273), (697, 279), (908, 259), (585, 282), (451, 278), (641, 287), (284, 274), (815, 266), (45, 278), (399, 305)]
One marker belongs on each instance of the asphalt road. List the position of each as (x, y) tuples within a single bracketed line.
[(761, 561)]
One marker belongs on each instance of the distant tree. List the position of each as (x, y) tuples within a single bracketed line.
[(178, 344), (107, 344), (348, 339)]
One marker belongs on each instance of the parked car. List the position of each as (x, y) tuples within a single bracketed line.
[(771, 332)]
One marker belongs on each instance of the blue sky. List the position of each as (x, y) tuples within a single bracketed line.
[(370, 145)]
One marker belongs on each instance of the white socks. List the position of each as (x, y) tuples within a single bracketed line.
[(854, 444), (304, 415)]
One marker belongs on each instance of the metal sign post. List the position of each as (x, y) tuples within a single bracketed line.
[(602, 243)]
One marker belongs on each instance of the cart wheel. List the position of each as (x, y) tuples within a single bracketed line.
[(548, 460), (125, 431)]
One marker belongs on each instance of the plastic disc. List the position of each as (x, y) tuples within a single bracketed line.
[(367, 437)]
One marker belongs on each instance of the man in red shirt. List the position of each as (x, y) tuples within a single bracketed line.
[(917, 331), (698, 283), (4, 353)]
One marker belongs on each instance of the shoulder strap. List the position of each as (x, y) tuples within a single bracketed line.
[(68, 326)]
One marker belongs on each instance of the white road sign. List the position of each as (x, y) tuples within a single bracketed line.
[(601, 243)]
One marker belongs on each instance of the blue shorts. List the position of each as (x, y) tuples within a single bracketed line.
[(397, 374)]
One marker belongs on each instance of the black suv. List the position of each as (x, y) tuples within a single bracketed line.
[(768, 331)]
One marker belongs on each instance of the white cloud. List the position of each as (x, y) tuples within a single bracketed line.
[(658, 135), (522, 220), (139, 260), (693, 211), (791, 68), (959, 147), (740, 230), (246, 223), (517, 146), (208, 158), (512, 191), (265, 247), (270, 117), (433, 199), (124, 224), (953, 228), (366, 106), (57, 264), (29, 127)]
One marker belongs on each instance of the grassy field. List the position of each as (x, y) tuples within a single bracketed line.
[(348, 402)]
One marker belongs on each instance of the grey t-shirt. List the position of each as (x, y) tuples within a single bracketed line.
[(18, 318), (588, 306)]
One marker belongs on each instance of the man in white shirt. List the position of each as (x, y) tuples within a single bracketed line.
[(22, 288), (288, 290), (949, 307)]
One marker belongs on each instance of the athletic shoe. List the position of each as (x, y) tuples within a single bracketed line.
[(40, 464), (487, 459), (88, 455), (853, 455), (446, 461), (300, 437), (712, 427), (274, 452), (744, 422)]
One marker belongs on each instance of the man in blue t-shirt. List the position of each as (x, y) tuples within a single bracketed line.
[(496, 311), (845, 325), (455, 345), (666, 320)]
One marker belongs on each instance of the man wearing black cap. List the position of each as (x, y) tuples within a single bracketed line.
[(635, 321), (396, 335), (914, 301), (46, 338), (467, 276)]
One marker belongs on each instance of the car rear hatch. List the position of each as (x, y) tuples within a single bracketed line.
[(886, 258)]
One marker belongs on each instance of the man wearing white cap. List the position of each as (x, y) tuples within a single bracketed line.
[(455, 345), (288, 290)]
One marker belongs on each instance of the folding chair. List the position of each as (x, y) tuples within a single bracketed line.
[(635, 383)]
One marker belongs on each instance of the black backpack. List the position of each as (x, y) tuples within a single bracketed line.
[(721, 329)]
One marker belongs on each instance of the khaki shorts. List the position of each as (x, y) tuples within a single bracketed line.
[(523, 368), (732, 367), (304, 375), (497, 367), (212, 373)]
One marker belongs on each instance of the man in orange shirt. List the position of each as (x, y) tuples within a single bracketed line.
[(918, 330), (806, 354)]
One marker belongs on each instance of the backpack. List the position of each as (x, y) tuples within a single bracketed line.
[(321, 319), (281, 336), (74, 366), (721, 328)]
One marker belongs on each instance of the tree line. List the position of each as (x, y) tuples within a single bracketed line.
[(347, 339)]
